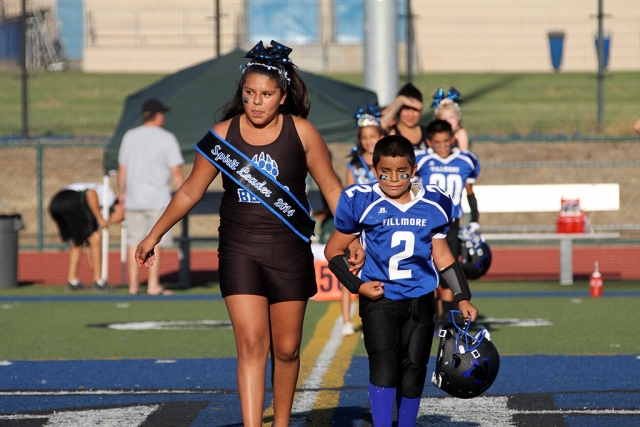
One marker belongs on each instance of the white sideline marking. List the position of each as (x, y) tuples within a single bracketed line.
[(105, 392), (486, 411), (170, 325), (305, 400), (131, 416), (482, 411), (517, 322)]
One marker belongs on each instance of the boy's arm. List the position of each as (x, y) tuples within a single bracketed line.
[(452, 274), (339, 265), (473, 205), (334, 252)]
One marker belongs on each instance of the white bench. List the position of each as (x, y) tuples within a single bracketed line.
[(544, 198), (566, 246), (547, 198)]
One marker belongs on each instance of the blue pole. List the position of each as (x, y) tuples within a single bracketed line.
[(600, 70)]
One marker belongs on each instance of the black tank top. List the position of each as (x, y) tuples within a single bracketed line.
[(244, 217), (423, 137)]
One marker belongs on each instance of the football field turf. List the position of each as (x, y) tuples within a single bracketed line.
[(76, 359)]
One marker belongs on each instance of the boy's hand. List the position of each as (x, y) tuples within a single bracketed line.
[(372, 290), (468, 310)]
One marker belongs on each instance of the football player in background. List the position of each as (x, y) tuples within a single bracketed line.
[(452, 171)]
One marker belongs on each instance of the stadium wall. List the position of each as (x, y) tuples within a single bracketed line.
[(516, 162), (509, 263), (450, 36)]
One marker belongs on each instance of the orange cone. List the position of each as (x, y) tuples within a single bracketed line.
[(595, 283)]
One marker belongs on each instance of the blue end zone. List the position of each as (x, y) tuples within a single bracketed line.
[(577, 390)]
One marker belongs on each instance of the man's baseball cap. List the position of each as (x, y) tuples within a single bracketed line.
[(153, 106)]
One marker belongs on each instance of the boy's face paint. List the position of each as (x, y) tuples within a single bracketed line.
[(441, 144), (245, 99), (394, 177)]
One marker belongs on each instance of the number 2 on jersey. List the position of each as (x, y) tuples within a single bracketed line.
[(409, 240)]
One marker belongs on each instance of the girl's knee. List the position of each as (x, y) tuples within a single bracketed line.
[(287, 353), (252, 346)]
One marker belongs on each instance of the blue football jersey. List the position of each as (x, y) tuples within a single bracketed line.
[(450, 174), (397, 237)]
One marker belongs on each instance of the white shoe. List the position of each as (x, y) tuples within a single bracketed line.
[(347, 329)]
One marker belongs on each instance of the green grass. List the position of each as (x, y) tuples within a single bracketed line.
[(53, 330), (580, 325), (497, 104), (69, 102), (529, 104), (60, 330)]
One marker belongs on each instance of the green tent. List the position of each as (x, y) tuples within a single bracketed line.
[(197, 94)]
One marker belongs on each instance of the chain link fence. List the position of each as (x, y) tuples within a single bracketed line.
[(523, 68), (526, 71), (31, 174)]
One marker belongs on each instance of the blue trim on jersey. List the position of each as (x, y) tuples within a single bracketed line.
[(435, 170), (397, 237)]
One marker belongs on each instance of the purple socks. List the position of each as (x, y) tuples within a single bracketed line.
[(381, 402), (408, 411)]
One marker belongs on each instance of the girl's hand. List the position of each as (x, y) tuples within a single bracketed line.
[(372, 290), (144, 252), (356, 256)]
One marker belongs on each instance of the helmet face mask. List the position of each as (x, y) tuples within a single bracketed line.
[(466, 365), (476, 254)]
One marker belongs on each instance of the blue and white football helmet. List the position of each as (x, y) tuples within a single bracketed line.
[(476, 254), (466, 365)]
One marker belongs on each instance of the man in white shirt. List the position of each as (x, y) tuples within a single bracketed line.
[(148, 160)]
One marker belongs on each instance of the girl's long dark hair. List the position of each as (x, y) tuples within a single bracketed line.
[(297, 102)]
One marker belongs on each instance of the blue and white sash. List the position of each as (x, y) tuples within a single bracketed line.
[(260, 184), (361, 172)]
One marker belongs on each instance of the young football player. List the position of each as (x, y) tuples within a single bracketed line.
[(452, 171), (403, 227)]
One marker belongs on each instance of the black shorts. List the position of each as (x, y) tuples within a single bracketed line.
[(70, 211), (279, 271), (398, 337)]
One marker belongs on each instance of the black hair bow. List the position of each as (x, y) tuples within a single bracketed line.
[(276, 52)]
